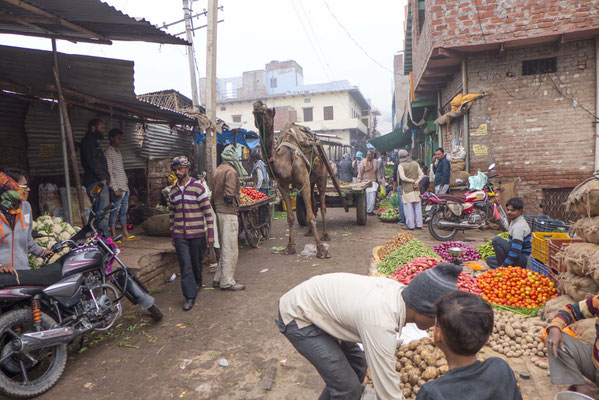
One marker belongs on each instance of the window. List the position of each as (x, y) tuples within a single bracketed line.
[(539, 66), (223, 108), (328, 113), (273, 82), (236, 118), (308, 114), (421, 15), (307, 100)]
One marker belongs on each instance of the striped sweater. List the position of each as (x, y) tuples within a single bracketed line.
[(520, 241), (190, 215), (588, 308)]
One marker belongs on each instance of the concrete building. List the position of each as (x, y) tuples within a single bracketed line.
[(334, 108), (536, 64)]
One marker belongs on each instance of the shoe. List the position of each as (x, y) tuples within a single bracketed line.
[(370, 213), (216, 284), (188, 305), (234, 287)]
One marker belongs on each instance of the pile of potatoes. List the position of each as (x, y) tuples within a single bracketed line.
[(417, 363), (515, 336)]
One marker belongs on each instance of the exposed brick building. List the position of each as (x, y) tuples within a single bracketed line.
[(536, 62)]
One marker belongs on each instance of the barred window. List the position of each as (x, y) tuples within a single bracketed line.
[(539, 66)]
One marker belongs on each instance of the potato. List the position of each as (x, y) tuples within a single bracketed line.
[(423, 365), (440, 362), (406, 393), (542, 364), (509, 354), (414, 345), (397, 366), (518, 332), (429, 373), (529, 339), (409, 353), (541, 346), (443, 369), (404, 378), (518, 340), (401, 354), (417, 359), (413, 377), (510, 331)]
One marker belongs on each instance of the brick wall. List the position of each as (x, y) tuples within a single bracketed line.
[(451, 90), (534, 133), (456, 22), (159, 171)]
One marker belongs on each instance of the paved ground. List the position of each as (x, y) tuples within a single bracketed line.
[(178, 358)]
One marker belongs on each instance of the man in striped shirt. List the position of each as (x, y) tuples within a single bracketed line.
[(570, 360), (189, 210), (517, 250)]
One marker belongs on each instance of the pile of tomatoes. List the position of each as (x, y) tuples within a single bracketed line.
[(254, 194), (516, 287)]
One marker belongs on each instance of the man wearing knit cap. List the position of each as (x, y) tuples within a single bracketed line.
[(325, 316)]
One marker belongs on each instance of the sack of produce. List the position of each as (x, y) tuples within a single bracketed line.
[(553, 306), (584, 198), (576, 258), (158, 225), (399, 240), (587, 229), (578, 287), (458, 178), (458, 165), (585, 330)]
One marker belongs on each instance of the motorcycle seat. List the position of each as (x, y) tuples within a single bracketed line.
[(44, 276), (456, 198)]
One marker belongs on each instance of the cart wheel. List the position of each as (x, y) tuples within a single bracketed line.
[(265, 229), (300, 211), (361, 208), (252, 235)]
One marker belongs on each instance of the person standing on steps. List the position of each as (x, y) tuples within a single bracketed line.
[(118, 183), (225, 200), (189, 211)]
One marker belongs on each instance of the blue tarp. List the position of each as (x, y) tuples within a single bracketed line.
[(227, 137)]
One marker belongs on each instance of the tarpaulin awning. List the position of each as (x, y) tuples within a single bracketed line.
[(392, 140), (239, 136), (78, 20)]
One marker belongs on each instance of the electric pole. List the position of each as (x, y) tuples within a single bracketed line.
[(191, 56), (211, 85)]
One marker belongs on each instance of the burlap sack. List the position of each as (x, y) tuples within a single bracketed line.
[(584, 198), (585, 330), (576, 258), (455, 175), (578, 287), (553, 306), (587, 229), (458, 165), (158, 225)]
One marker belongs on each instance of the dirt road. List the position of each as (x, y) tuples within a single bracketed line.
[(178, 358)]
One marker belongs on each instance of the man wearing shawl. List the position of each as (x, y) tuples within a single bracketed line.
[(225, 200)]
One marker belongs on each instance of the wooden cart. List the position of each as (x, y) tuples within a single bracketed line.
[(255, 220), (349, 195)]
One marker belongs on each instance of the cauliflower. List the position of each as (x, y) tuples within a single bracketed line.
[(50, 243), (64, 236), (57, 220), (57, 228), (71, 231)]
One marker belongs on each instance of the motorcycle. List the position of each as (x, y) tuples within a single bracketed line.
[(449, 213), (43, 310)]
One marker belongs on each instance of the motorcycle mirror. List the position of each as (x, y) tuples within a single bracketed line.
[(492, 167), (96, 190)]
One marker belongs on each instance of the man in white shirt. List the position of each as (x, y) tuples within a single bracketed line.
[(119, 184), (325, 316)]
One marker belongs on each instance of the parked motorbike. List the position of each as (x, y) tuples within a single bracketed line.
[(43, 310), (450, 213)]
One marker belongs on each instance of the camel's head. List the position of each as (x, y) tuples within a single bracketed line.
[(265, 114)]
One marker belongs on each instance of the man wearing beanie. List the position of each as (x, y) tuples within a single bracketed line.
[(325, 316)]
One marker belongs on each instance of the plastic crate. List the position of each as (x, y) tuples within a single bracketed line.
[(549, 225), (539, 267), (530, 218), (540, 249), (555, 246)]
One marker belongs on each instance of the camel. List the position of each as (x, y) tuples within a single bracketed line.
[(291, 169)]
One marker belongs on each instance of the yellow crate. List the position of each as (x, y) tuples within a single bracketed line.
[(540, 248), (293, 200)]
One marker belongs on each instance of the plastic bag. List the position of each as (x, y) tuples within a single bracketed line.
[(382, 191), (478, 181), (394, 200)]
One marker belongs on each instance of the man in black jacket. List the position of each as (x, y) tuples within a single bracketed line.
[(95, 167), (442, 171)]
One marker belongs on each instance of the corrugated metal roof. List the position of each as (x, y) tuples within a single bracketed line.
[(160, 141), (106, 79), (90, 20)]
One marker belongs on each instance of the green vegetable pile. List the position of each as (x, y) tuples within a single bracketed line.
[(389, 170), (390, 213), (486, 250), (403, 255), (384, 203)]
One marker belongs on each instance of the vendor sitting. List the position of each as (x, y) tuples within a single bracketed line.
[(514, 253), (463, 325), (326, 316), (16, 223), (570, 360)]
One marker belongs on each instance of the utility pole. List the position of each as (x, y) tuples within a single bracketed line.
[(191, 56), (211, 86)]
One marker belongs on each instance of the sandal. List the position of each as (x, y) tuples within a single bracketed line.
[(132, 237)]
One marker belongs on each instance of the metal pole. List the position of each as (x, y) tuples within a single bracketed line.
[(466, 116), (211, 85), (65, 158), (191, 56)]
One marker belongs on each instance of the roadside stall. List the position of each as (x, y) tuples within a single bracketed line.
[(255, 215)]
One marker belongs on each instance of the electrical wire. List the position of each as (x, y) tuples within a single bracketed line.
[(567, 96)]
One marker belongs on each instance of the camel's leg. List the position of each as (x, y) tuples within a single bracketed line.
[(284, 189), (322, 192), (321, 251), (313, 205)]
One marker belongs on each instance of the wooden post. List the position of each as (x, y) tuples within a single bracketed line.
[(69, 132)]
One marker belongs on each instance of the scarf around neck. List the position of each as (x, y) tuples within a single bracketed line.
[(229, 155)]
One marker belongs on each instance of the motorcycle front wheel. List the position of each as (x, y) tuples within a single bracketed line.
[(437, 232), (23, 376)]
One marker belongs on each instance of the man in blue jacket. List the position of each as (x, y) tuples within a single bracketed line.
[(442, 170)]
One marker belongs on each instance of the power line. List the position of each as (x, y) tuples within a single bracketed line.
[(354, 40)]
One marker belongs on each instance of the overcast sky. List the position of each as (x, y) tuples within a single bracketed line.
[(256, 32)]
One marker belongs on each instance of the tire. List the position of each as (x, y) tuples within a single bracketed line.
[(431, 226), (13, 388), (300, 211), (361, 208), (252, 235), (156, 313)]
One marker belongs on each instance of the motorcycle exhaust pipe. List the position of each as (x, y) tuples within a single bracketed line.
[(453, 225), (38, 340)]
